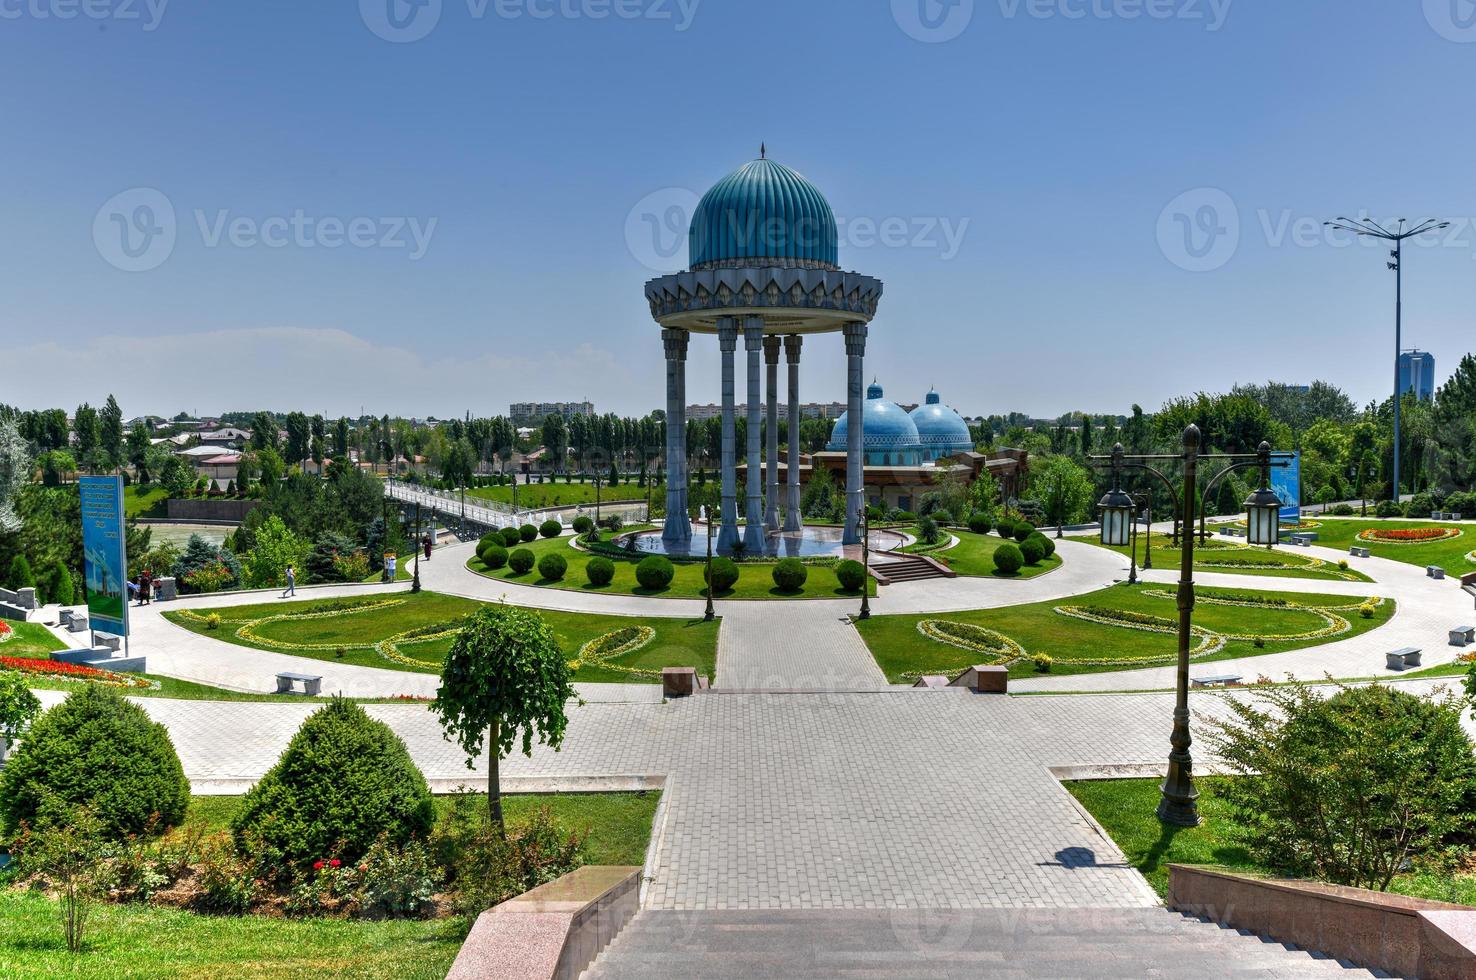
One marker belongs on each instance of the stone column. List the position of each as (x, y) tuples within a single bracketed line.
[(793, 520), (855, 333), (753, 343), (771, 433), (678, 527), (684, 450), (727, 343)]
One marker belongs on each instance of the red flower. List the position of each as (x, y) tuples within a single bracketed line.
[(334, 863), (317, 865)]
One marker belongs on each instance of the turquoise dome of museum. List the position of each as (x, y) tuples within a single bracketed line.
[(889, 436), (942, 431), (763, 214)]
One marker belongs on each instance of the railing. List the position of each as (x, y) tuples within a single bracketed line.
[(493, 513)]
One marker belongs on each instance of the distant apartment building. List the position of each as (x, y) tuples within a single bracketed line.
[(809, 410), (1417, 374), (538, 411)]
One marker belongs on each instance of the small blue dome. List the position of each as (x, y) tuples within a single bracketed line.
[(942, 430), (763, 213), (889, 436)]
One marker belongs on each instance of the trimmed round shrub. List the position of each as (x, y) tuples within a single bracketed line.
[(552, 566), (550, 528), (510, 536), (1023, 530), (980, 524), (724, 574), (343, 780), (1008, 559), (1032, 550), (943, 517), (494, 556), (1005, 528), (851, 574), (491, 537), (582, 524), (790, 574), (600, 571), (655, 572), (1047, 543), (521, 561), (100, 750), (528, 532)]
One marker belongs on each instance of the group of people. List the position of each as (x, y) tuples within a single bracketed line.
[(291, 573), (142, 588)]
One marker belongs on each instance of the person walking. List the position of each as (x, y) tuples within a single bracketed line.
[(145, 584), (427, 544), (291, 583)]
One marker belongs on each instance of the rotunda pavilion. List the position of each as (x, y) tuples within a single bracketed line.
[(763, 252)]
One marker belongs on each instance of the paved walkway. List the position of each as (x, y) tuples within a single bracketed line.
[(913, 798)]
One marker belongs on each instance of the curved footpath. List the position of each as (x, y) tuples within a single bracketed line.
[(862, 796), (810, 644)]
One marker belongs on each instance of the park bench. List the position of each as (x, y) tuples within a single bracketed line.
[(1435, 571), (1218, 680), (1402, 659), (1463, 636), (114, 643), (311, 683), (1358, 552), (1231, 532), (1301, 540)]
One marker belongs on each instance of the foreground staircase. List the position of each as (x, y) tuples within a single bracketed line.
[(909, 945), (910, 568)]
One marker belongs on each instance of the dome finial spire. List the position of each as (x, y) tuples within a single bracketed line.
[(763, 151)]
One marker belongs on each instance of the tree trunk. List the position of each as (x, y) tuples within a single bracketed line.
[(494, 786)]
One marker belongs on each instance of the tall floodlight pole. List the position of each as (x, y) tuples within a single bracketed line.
[(1369, 228)]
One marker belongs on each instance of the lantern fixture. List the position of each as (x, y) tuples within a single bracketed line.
[(1263, 517), (1117, 518)]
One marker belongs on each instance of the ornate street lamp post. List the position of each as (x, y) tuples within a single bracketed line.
[(709, 612), (1177, 805), (415, 582), (865, 564)]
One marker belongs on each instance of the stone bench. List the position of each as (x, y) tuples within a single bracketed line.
[(1231, 532), (114, 643), (1301, 540), (1435, 571), (1402, 659), (312, 684), (77, 623), (165, 589), (1463, 636), (1218, 680), (1358, 552)]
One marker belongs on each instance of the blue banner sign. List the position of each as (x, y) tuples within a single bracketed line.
[(1287, 482), (105, 554)]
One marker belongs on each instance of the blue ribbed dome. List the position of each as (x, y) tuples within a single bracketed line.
[(763, 214), (889, 436), (942, 430)]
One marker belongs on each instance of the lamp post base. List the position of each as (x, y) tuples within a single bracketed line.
[(1178, 808)]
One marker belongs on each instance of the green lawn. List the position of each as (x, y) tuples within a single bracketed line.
[(145, 500), (974, 555), (538, 496), (1342, 533), (902, 651), (1220, 555), (755, 579), (143, 941), (1125, 807), (365, 622), (30, 640)]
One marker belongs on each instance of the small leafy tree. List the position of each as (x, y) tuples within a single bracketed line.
[(1346, 788), (504, 679), (276, 547), (66, 847), (18, 707)]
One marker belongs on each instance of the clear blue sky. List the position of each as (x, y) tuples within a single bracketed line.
[(1055, 141)]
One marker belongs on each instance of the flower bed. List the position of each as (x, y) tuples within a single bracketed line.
[(968, 636), (59, 671), (1408, 535), (6, 633), (617, 643)]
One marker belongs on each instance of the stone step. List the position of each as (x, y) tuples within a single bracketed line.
[(944, 945), (908, 570)]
